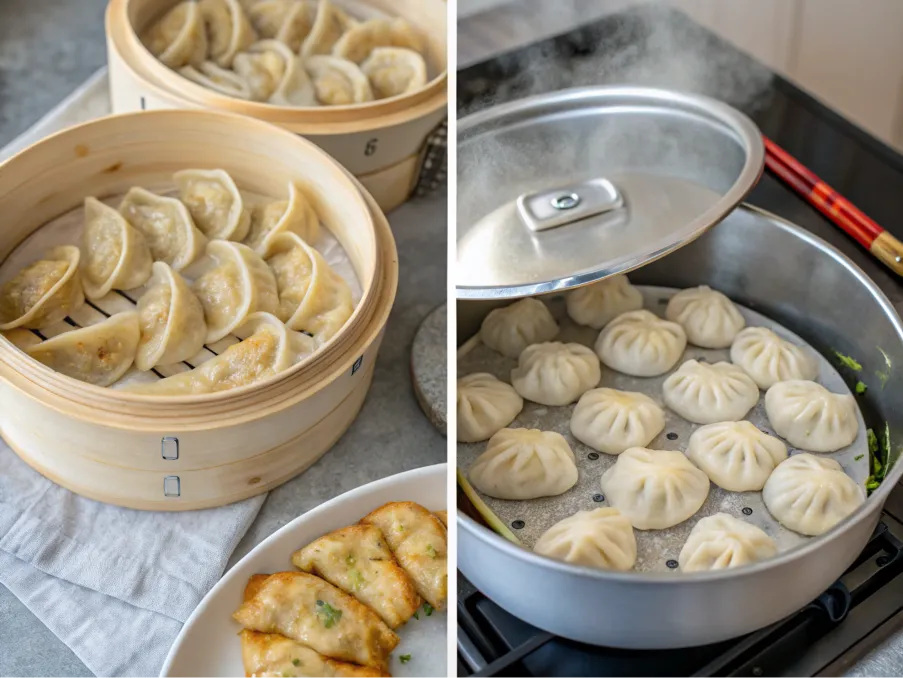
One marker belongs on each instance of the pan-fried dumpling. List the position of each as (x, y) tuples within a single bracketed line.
[(218, 79), (275, 74), (115, 256), (641, 344), (612, 421), (598, 304), (768, 359), (234, 284), (295, 215), (655, 489), (810, 494), (601, 538), (270, 654), (485, 406), (522, 463), (269, 348), (171, 320), (214, 202), (735, 454), (720, 541), (43, 293), (98, 354), (312, 297), (707, 393), (393, 71), (228, 29), (554, 373), (179, 38), (810, 417), (329, 25), (338, 82), (511, 329), (359, 41), (709, 318), (167, 227)]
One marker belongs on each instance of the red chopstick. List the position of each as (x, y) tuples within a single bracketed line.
[(834, 206)]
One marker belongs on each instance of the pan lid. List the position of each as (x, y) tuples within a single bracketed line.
[(563, 189)]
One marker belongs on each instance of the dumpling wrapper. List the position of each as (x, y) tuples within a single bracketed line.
[(394, 71), (215, 203), (218, 79), (228, 29), (179, 38), (359, 41), (485, 406), (337, 81), (419, 542), (98, 354), (357, 560), (44, 292), (329, 25), (274, 74), (315, 613), (288, 21), (295, 215), (115, 256)]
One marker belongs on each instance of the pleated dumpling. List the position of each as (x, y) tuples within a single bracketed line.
[(511, 329), (810, 494), (44, 292), (522, 463), (115, 256), (359, 41), (598, 304), (215, 203), (235, 283), (655, 489), (485, 406), (612, 421), (641, 344), (554, 373), (708, 393), (810, 417), (329, 24), (721, 541), (274, 74), (295, 215), (98, 354), (393, 71), (601, 538), (312, 297), (768, 358), (735, 454), (171, 319), (180, 37), (268, 348), (167, 227), (709, 318), (208, 74), (228, 29), (338, 82), (288, 21)]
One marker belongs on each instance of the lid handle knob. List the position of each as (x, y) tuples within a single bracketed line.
[(560, 206)]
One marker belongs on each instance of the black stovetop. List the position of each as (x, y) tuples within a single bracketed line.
[(640, 46)]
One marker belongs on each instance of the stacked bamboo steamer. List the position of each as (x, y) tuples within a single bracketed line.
[(381, 142), (189, 452)]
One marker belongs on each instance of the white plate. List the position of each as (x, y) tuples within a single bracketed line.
[(208, 644)]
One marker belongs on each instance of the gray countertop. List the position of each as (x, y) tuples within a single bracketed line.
[(47, 49)]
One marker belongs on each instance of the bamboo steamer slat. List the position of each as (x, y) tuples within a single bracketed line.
[(370, 140), (71, 431)]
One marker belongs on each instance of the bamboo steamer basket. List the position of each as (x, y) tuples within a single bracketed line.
[(382, 142), (190, 452)]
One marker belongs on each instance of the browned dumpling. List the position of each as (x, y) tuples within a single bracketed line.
[(443, 516)]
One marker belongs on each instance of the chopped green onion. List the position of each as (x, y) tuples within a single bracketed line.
[(329, 616), (428, 609), (417, 615), (847, 361), (357, 579), (349, 559), (861, 388), (431, 552), (405, 658), (296, 662), (872, 440), (858, 457)]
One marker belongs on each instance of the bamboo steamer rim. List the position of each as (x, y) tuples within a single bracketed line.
[(377, 291), (166, 83)]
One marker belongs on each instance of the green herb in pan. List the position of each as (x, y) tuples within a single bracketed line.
[(861, 388), (848, 361)]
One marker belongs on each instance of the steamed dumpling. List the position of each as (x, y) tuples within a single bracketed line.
[(709, 318), (295, 215), (393, 71), (810, 417), (228, 29), (522, 463), (612, 421), (485, 406), (360, 41), (179, 38), (329, 25), (641, 344), (288, 21), (810, 494), (98, 354), (115, 256), (312, 297), (214, 202), (768, 359), (601, 538), (167, 227), (704, 393), (511, 329), (655, 489), (214, 77), (338, 82), (235, 283), (554, 373), (598, 304), (735, 454), (274, 74), (44, 292), (721, 541), (171, 319)]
